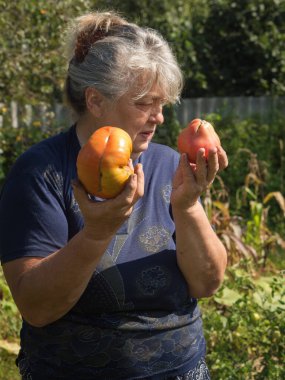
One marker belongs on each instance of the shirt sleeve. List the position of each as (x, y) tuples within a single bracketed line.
[(32, 216)]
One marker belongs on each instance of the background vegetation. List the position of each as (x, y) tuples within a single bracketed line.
[(225, 48)]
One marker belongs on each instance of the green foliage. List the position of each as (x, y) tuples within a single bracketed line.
[(256, 154), (245, 326), (15, 141), (240, 47), (8, 369), (10, 323), (31, 40), (9, 315)]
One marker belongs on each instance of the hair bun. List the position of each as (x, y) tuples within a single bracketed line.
[(85, 30), (85, 40)]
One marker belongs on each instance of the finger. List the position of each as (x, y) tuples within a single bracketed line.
[(130, 164), (213, 165), (140, 180), (222, 158), (126, 197), (201, 168), (181, 171), (177, 178), (186, 170), (79, 192)]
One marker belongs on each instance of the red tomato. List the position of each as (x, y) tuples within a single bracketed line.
[(198, 134), (103, 162)]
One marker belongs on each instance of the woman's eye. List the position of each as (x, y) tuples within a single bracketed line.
[(151, 103), (146, 104)]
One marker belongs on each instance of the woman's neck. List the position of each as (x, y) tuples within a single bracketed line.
[(85, 126)]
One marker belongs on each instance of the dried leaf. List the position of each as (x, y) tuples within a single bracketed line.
[(244, 249), (251, 177), (224, 207), (278, 197), (11, 348)]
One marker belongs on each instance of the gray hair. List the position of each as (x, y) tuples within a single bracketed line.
[(122, 54)]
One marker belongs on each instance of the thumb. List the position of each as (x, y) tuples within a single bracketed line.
[(79, 191), (140, 180)]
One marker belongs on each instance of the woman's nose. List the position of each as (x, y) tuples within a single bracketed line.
[(156, 116)]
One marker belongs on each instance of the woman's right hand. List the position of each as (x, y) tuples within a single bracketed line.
[(103, 218)]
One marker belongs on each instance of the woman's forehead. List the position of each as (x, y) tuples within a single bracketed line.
[(146, 89)]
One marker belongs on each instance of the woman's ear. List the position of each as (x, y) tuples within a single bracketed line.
[(94, 101)]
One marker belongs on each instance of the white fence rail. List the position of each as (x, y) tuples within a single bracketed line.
[(243, 107)]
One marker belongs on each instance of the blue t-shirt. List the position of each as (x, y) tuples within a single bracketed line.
[(135, 320)]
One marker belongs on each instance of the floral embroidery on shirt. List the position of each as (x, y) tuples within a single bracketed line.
[(155, 238), (152, 280), (166, 193), (55, 179), (74, 205)]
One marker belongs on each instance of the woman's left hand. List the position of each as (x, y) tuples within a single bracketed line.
[(191, 180)]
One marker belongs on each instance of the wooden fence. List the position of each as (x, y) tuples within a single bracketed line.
[(242, 107)]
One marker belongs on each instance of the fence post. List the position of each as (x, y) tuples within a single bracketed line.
[(14, 114), (28, 118)]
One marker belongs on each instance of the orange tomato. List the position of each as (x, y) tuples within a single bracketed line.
[(103, 162), (198, 134)]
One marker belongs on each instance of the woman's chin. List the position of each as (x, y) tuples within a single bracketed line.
[(139, 149)]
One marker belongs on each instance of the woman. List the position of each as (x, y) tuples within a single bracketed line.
[(109, 289)]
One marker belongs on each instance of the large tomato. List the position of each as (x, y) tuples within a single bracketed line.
[(103, 162), (198, 134)]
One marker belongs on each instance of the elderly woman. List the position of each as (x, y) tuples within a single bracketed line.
[(108, 289)]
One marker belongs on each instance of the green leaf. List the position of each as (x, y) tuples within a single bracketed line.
[(228, 297)]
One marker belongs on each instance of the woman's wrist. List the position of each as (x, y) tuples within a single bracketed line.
[(95, 235), (192, 209)]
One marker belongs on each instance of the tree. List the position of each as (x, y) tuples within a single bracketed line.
[(240, 46), (31, 54)]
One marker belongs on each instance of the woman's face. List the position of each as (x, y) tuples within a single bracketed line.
[(137, 117)]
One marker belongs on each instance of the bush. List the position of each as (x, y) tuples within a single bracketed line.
[(9, 315), (10, 323), (245, 326), (15, 141), (256, 152)]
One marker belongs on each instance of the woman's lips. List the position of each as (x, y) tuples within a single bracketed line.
[(147, 134)]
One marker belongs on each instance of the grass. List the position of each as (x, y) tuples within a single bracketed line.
[(8, 368), (10, 322)]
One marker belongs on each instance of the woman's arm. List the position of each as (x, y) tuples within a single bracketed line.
[(45, 289), (201, 256)]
